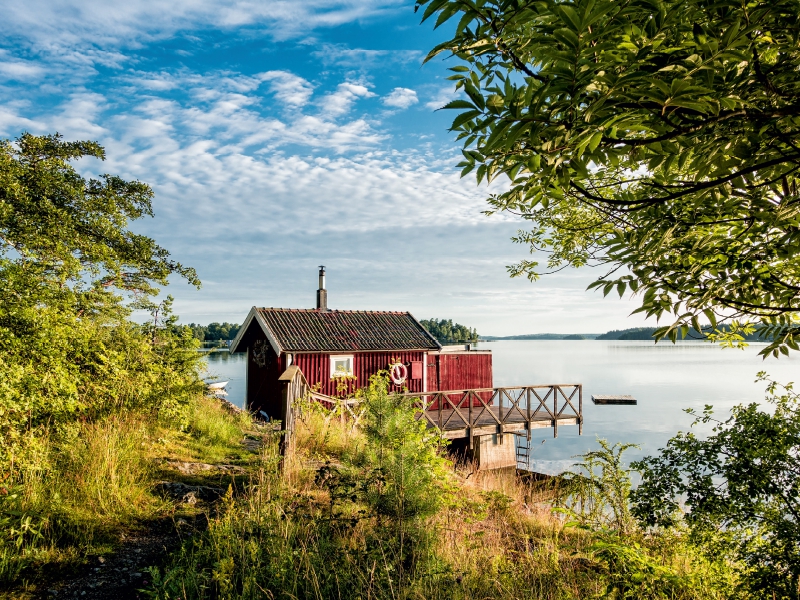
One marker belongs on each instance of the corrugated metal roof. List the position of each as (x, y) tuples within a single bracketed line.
[(310, 330)]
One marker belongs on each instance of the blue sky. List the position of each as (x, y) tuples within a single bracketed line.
[(278, 136)]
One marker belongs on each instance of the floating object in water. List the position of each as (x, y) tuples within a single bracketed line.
[(609, 399), (216, 385)]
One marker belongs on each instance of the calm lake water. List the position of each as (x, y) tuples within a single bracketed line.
[(664, 378)]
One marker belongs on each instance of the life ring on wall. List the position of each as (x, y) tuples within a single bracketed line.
[(398, 373)]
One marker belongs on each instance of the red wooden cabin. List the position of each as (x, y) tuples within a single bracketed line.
[(325, 344)]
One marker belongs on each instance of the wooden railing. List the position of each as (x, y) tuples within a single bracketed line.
[(457, 413), (484, 411), (293, 386)]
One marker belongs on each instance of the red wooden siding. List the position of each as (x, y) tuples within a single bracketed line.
[(460, 371), (317, 369)]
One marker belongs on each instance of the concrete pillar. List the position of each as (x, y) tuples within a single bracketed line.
[(496, 451)]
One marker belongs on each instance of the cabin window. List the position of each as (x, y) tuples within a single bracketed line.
[(341, 366)]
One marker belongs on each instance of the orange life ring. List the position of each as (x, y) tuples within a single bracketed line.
[(398, 373)]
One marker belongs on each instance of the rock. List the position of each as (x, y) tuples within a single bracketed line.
[(252, 444), (193, 468), (188, 494)]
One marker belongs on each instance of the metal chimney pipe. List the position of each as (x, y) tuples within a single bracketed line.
[(322, 293)]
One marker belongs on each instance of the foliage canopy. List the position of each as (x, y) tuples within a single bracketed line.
[(656, 137), (67, 348)]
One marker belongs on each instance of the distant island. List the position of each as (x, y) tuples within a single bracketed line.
[(633, 333), (542, 336)]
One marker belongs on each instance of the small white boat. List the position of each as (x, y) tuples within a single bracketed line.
[(216, 385)]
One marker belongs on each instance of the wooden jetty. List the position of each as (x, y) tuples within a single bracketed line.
[(611, 399), (488, 411)]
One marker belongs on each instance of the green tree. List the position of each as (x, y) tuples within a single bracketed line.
[(655, 137), (447, 332), (215, 331), (67, 264), (741, 486)]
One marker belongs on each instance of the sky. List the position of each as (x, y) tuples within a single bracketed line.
[(278, 136)]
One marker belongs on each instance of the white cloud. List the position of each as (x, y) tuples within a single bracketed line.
[(442, 97), (20, 70), (339, 102), (344, 56), (401, 98), (92, 24), (289, 88), (226, 110)]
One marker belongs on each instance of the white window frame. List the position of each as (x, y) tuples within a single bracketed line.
[(339, 357)]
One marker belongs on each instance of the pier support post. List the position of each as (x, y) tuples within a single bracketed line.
[(496, 451)]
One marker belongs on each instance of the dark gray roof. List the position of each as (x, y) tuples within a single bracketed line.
[(310, 330)]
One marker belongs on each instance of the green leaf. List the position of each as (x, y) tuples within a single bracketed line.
[(464, 118), (569, 16), (458, 104)]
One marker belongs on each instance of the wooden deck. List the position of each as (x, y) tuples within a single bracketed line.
[(470, 413), (609, 399), (458, 413)]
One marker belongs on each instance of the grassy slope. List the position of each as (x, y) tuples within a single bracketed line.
[(75, 495), (293, 536)]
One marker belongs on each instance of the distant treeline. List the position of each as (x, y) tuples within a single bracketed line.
[(447, 332), (646, 333), (215, 331), (633, 333), (543, 336)]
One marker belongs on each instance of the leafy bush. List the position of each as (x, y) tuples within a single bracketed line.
[(741, 486)]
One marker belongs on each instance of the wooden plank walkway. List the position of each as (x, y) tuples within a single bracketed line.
[(458, 413)]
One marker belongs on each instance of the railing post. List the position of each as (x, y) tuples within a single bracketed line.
[(286, 422), (502, 418), (555, 411), (528, 412), (469, 425), (290, 382), (580, 409)]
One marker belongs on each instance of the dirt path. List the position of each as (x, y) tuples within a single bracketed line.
[(120, 576)]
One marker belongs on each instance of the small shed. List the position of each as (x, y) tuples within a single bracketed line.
[(326, 344)]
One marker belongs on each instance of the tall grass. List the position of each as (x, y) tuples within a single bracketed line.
[(75, 489)]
